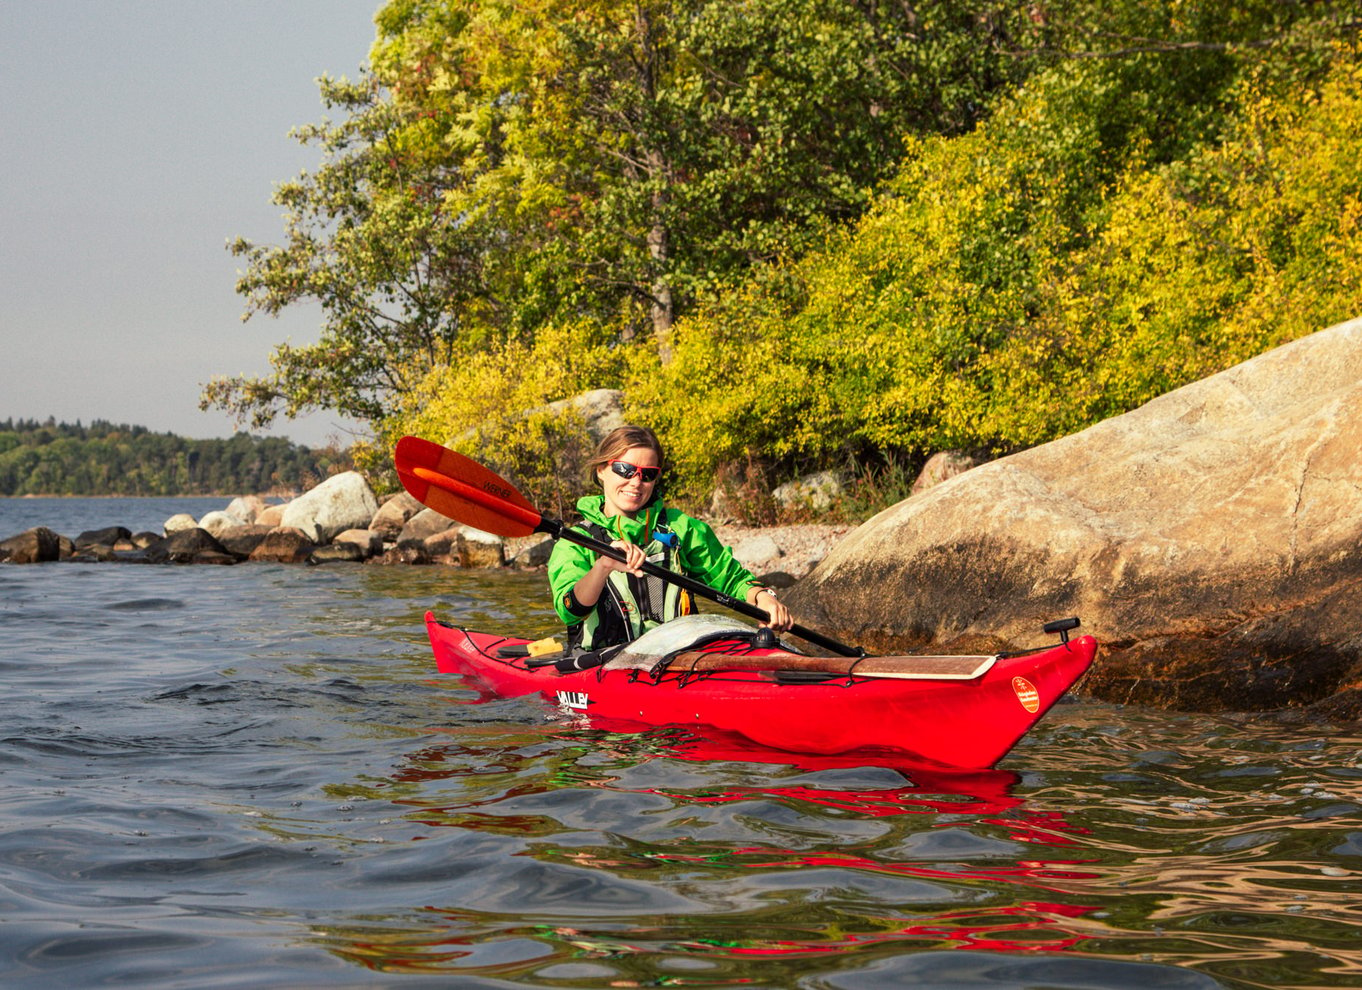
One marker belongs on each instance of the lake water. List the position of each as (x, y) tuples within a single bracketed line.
[(252, 776)]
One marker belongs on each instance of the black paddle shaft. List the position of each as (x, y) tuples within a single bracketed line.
[(556, 529)]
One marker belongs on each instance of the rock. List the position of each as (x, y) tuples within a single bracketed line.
[(214, 557), (144, 539), (943, 466), (33, 546), (283, 545), (758, 553), (411, 552), (350, 553), (182, 547), (179, 521), (479, 549), (247, 508), (369, 542), (1211, 540), (815, 491), (66, 548), (343, 501), (94, 553), (446, 544), (393, 514), (530, 551), (216, 522), (242, 540), (108, 536), (271, 515), (423, 525), (602, 410)]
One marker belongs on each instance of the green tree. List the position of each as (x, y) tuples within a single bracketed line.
[(502, 167)]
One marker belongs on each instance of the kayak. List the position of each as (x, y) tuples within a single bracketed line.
[(709, 671)]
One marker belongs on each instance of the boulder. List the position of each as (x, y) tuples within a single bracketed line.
[(32, 546), (479, 549), (530, 551), (423, 525), (411, 552), (1211, 540), (369, 542), (758, 553), (216, 522), (343, 501), (349, 553), (108, 536), (283, 545), (144, 539), (393, 514), (179, 521), (943, 466), (601, 409), (181, 547), (445, 547), (271, 515), (246, 508), (814, 491), (242, 540)]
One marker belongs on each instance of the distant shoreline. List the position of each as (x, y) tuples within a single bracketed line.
[(281, 496)]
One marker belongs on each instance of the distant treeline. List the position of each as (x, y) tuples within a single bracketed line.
[(51, 458)]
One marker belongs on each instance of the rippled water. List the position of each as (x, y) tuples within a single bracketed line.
[(252, 776)]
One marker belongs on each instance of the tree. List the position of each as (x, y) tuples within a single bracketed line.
[(502, 167)]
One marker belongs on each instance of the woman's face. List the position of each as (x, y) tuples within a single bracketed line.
[(627, 496)]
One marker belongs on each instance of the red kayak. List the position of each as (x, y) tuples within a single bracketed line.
[(964, 712)]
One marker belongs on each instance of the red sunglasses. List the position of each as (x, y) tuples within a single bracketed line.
[(626, 470)]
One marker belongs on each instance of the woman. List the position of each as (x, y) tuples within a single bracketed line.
[(605, 601)]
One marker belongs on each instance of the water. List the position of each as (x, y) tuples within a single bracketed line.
[(73, 516), (252, 776)]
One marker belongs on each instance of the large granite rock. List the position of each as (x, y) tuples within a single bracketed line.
[(283, 546), (343, 501), (246, 508), (216, 523), (393, 514), (32, 546), (423, 526), (242, 540), (1211, 540)]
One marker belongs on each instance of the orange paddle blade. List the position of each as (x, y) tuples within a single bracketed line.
[(462, 489)]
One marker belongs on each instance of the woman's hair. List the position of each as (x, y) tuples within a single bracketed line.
[(614, 445)]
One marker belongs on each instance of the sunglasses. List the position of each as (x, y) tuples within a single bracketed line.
[(626, 470)]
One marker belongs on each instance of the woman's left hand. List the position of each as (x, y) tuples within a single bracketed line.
[(780, 618)]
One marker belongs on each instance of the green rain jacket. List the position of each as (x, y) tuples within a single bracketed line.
[(630, 606)]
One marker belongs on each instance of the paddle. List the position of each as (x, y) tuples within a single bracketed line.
[(460, 488)]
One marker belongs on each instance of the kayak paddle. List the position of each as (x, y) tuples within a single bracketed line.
[(460, 488)]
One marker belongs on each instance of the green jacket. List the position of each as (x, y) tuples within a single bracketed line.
[(695, 552)]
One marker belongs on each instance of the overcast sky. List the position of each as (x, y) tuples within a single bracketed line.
[(136, 138)]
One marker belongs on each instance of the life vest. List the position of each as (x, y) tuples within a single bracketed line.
[(629, 606)]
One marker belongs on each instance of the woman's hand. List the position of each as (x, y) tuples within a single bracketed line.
[(634, 559), (781, 619)]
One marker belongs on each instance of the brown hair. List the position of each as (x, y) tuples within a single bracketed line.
[(614, 444)]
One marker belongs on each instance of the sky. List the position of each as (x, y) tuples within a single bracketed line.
[(137, 137)]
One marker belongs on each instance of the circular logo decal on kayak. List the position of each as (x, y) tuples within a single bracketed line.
[(1026, 694)]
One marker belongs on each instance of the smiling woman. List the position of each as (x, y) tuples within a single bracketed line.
[(605, 602)]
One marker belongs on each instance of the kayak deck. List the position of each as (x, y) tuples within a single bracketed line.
[(968, 720)]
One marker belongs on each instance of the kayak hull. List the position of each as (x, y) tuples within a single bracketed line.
[(955, 723)]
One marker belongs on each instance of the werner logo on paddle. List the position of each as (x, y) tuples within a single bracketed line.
[(1027, 694), (574, 699)]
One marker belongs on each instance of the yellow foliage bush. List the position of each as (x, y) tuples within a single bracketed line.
[(494, 406)]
